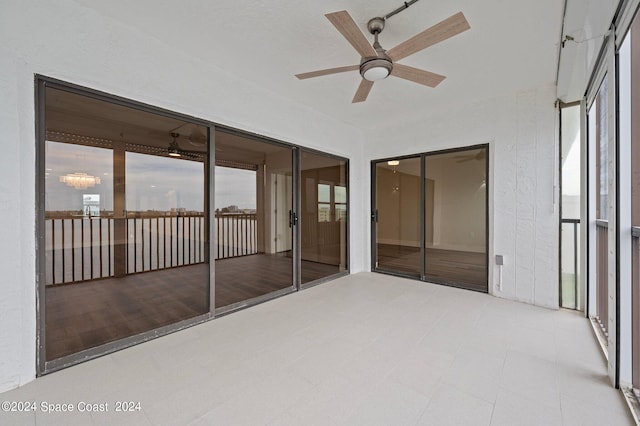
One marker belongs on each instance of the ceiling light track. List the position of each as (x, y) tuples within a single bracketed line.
[(400, 9)]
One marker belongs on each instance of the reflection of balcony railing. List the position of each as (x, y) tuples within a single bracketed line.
[(602, 274), (237, 234), (569, 264), (80, 249), (164, 242)]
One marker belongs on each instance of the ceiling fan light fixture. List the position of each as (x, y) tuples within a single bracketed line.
[(173, 146), (376, 69)]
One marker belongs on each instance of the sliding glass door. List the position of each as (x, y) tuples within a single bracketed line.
[(255, 219), (598, 134), (127, 228), (323, 216), (456, 218), (430, 217), (125, 224), (397, 216)]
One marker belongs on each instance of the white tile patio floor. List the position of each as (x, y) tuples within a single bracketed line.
[(365, 349)]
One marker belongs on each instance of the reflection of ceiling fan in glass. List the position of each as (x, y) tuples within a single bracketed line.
[(479, 156), (174, 149), (194, 134), (196, 137)]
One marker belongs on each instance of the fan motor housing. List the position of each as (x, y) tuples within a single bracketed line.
[(377, 68), (375, 25)]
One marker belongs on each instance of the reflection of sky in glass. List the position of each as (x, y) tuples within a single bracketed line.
[(161, 183), (570, 151), (64, 158), (571, 170), (324, 194), (152, 182), (340, 194), (235, 187)]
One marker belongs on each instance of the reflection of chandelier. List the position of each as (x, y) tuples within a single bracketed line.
[(80, 180)]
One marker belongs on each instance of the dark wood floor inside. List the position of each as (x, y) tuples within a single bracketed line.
[(242, 278), (461, 268), (92, 313), (88, 314)]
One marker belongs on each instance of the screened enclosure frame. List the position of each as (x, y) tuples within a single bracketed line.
[(579, 291)]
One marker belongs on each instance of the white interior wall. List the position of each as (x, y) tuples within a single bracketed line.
[(459, 218), (523, 214), (459, 204), (398, 203), (64, 40)]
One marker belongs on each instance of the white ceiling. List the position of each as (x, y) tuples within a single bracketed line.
[(511, 46)]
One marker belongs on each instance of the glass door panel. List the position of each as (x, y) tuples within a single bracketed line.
[(323, 216), (598, 122), (254, 219), (398, 216), (570, 207), (456, 217), (629, 119), (125, 220)]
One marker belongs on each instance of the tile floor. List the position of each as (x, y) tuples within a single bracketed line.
[(365, 349)]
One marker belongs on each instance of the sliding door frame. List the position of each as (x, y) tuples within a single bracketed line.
[(298, 207), (374, 214), (605, 69), (41, 83), (295, 270), (42, 365)]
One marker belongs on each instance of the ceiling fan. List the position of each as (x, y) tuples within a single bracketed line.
[(174, 149), (479, 156), (377, 63), (194, 134)]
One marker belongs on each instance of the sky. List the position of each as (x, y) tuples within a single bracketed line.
[(152, 182), (235, 187)]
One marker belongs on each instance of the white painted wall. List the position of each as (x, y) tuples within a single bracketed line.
[(523, 216), (64, 40), (459, 216)]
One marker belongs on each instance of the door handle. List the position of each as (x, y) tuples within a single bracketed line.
[(374, 216), (293, 218)]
